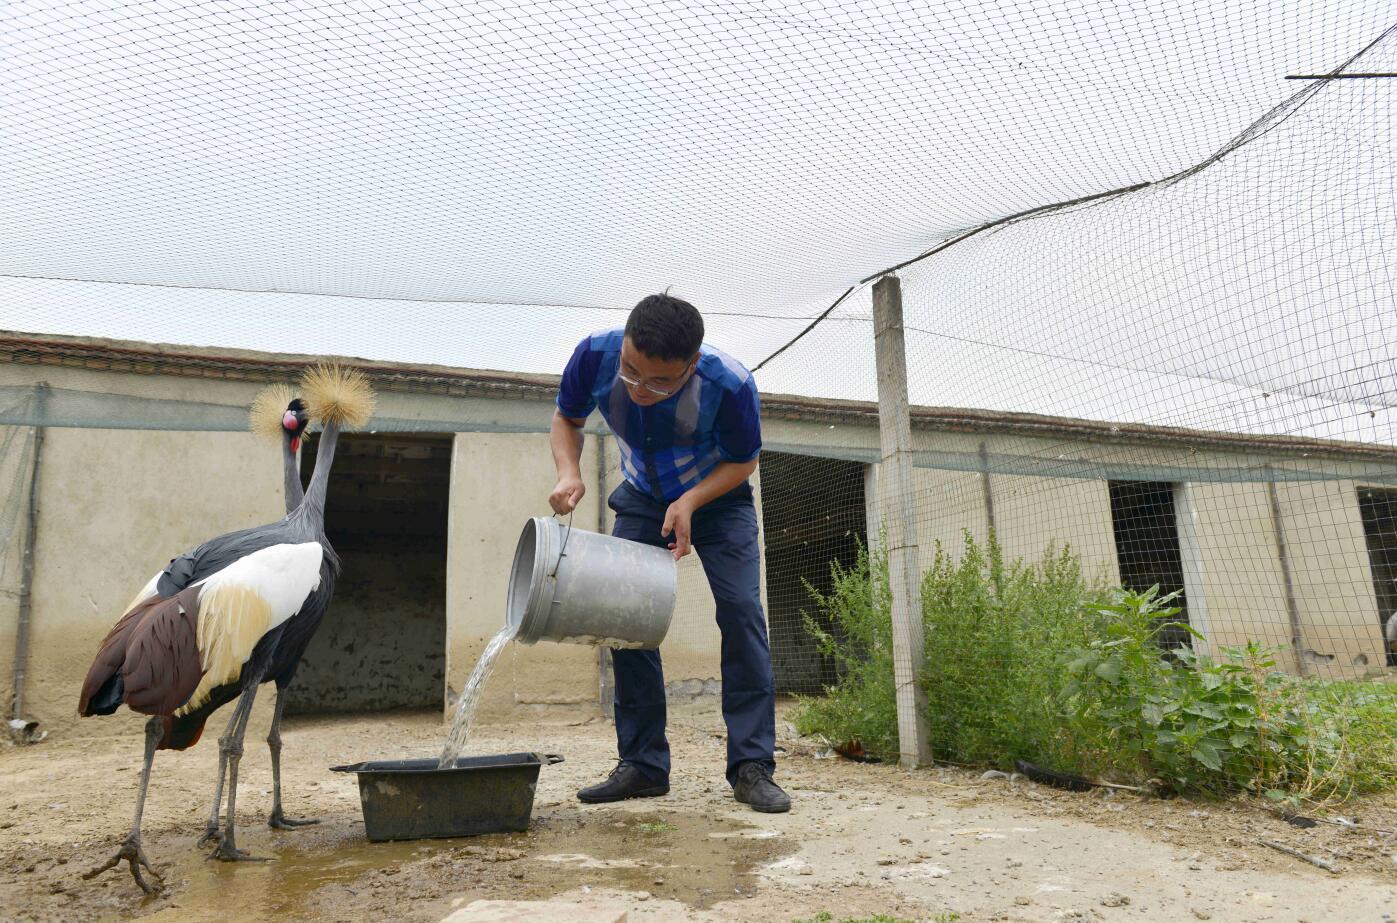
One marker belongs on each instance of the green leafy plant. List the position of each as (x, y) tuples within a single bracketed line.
[(990, 689), (1035, 662), (1189, 721), (1195, 723), (862, 706), (990, 625)]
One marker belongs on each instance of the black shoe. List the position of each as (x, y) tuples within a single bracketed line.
[(624, 782), (754, 787)]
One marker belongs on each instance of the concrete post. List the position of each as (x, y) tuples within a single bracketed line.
[(1297, 630), (23, 727), (988, 489), (606, 679), (871, 515), (897, 507), (1194, 563)]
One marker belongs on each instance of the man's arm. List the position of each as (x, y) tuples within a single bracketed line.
[(575, 404), (680, 513), (565, 436)]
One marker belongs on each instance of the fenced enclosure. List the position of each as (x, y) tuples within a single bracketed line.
[(1140, 284)]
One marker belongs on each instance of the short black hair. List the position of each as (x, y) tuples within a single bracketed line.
[(666, 328)]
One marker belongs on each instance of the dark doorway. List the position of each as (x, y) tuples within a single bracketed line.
[(1147, 545), (812, 515), (383, 642), (1379, 511)]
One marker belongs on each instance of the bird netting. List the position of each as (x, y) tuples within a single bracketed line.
[(1146, 280), (514, 170)]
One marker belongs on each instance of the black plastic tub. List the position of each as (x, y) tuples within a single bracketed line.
[(414, 800)]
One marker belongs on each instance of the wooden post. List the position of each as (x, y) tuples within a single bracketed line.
[(898, 509)]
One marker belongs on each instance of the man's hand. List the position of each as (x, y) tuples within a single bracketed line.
[(567, 495), (677, 519)]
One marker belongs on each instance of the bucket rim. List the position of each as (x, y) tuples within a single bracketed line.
[(530, 618)]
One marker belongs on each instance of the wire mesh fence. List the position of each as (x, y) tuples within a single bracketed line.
[(1178, 379)]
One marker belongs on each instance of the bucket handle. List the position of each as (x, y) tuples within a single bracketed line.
[(562, 552), (552, 759)]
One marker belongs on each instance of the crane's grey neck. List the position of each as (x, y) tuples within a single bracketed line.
[(291, 475), (314, 503)]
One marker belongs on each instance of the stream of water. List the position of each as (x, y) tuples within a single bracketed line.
[(469, 701)]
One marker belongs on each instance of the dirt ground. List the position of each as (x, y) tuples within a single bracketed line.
[(938, 844)]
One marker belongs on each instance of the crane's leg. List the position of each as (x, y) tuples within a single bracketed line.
[(212, 833), (227, 849), (131, 848), (278, 820)]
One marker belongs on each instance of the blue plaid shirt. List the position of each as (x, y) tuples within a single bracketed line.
[(668, 447)]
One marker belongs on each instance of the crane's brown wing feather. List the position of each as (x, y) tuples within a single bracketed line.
[(162, 666), (102, 691)]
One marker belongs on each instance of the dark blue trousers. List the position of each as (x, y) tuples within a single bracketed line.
[(724, 533)]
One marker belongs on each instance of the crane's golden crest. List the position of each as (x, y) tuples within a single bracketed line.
[(338, 394), (264, 418)]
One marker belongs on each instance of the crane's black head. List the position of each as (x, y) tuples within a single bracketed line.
[(294, 421)]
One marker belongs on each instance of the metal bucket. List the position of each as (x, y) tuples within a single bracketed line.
[(586, 588)]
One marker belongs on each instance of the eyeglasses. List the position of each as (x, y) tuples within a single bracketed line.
[(653, 389), (637, 383)]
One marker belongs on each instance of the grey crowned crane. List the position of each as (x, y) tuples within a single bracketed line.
[(206, 630), (277, 415)]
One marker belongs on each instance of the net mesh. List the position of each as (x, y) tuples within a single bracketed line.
[(512, 159), (1146, 281)]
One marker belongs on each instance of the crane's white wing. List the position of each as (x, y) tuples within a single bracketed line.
[(240, 604)]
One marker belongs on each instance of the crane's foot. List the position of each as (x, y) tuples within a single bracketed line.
[(212, 836), (227, 852), (131, 851), (279, 821)]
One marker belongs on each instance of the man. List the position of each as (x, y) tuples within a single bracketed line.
[(686, 419)]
